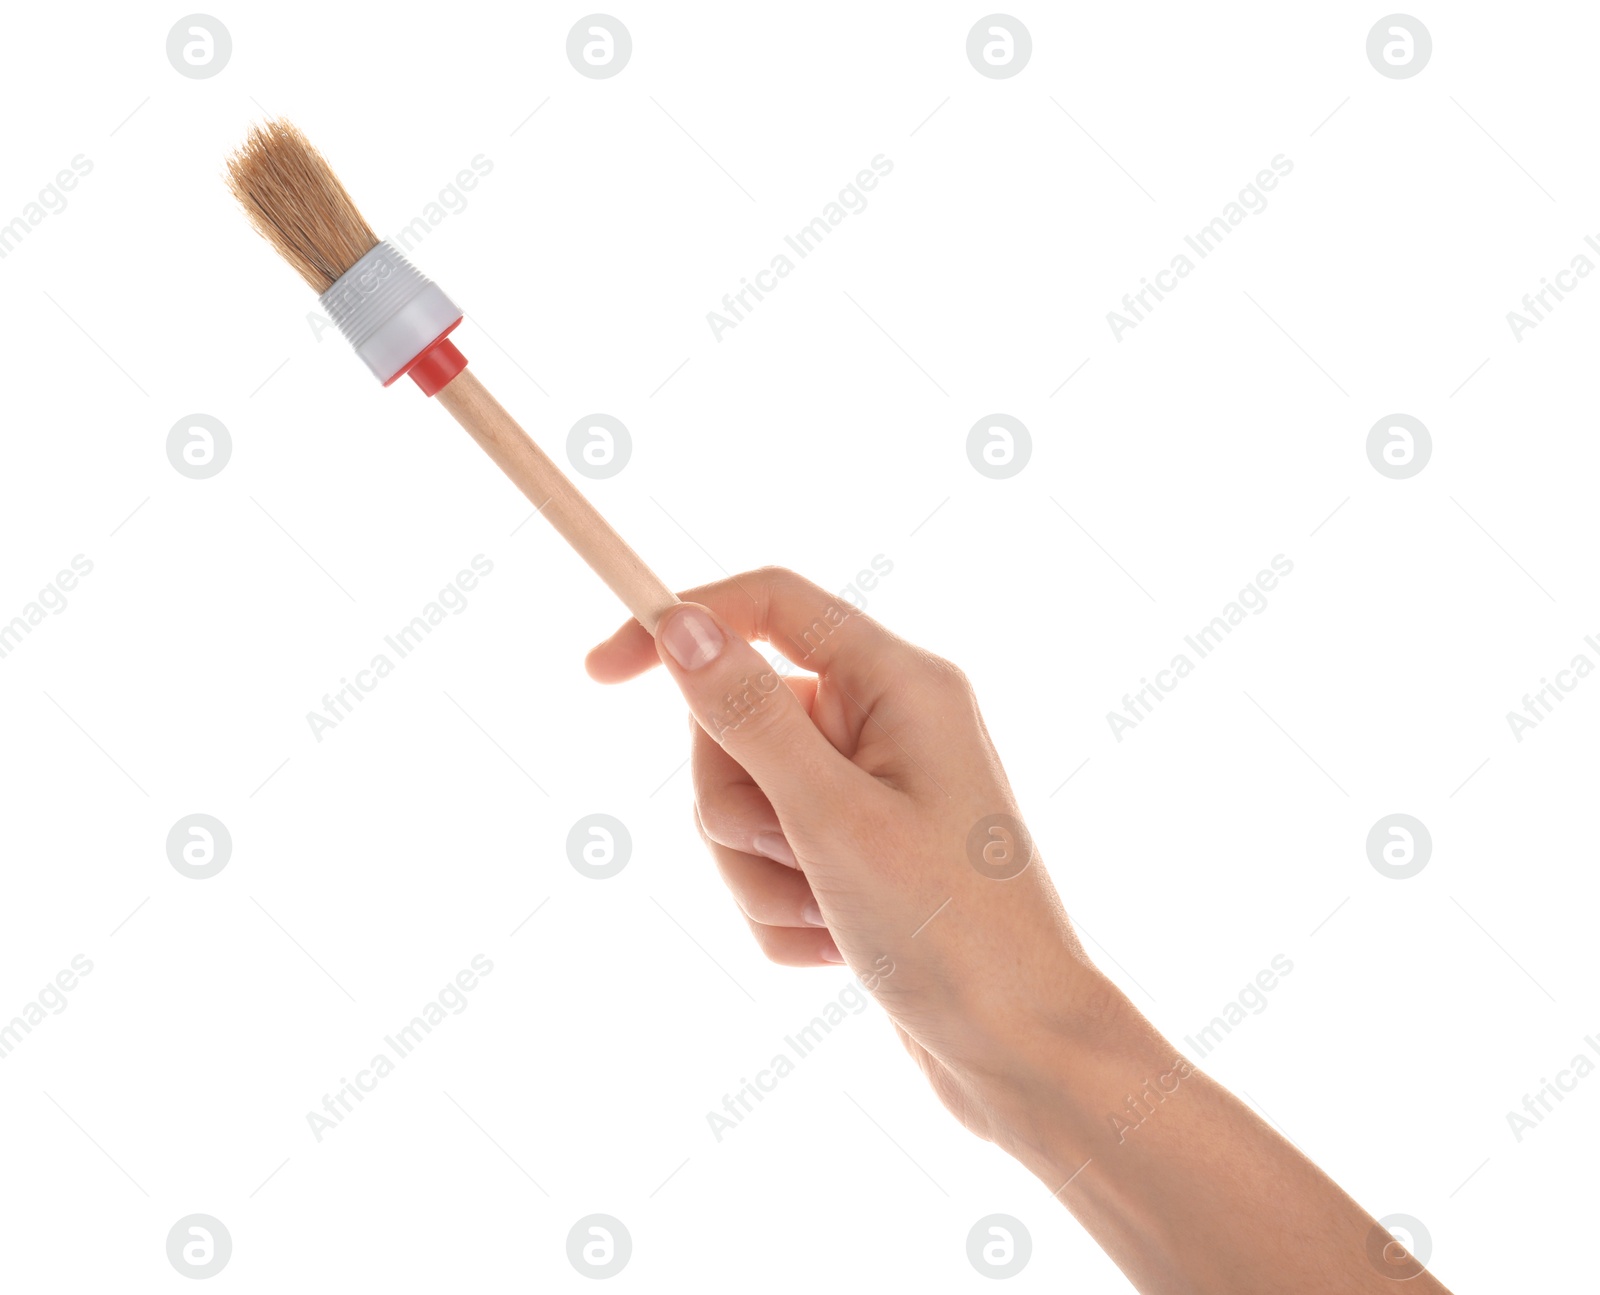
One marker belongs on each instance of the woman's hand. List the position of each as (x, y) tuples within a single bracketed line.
[(862, 816)]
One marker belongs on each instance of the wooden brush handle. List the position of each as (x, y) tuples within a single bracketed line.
[(561, 503)]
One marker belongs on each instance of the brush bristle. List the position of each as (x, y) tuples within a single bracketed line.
[(297, 204)]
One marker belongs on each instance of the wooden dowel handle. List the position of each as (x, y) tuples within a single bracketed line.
[(560, 502)]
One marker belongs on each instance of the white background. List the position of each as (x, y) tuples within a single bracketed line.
[(1230, 426)]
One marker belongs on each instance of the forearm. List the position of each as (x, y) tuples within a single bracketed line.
[(1175, 1178)]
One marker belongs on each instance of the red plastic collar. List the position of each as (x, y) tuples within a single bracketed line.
[(435, 365)]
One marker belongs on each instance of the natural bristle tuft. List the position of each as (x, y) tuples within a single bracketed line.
[(297, 204)]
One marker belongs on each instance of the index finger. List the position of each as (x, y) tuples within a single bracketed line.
[(815, 629)]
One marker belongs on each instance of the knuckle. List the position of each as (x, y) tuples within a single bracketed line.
[(700, 824), (765, 910), (780, 945), (781, 584), (771, 584), (769, 938), (720, 822), (944, 676)]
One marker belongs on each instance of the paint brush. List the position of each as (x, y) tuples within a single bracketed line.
[(399, 323)]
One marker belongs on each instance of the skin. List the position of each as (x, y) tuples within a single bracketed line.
[(862, 816)]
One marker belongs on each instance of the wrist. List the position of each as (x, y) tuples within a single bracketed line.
[(1061, 1078)]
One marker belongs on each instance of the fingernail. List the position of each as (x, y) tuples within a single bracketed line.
[(829, 951), (692, 638), (812, 914), (774, 846)]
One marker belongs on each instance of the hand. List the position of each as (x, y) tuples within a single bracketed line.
[(862, 816)]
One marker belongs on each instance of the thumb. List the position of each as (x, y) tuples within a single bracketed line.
[(742, 702)]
